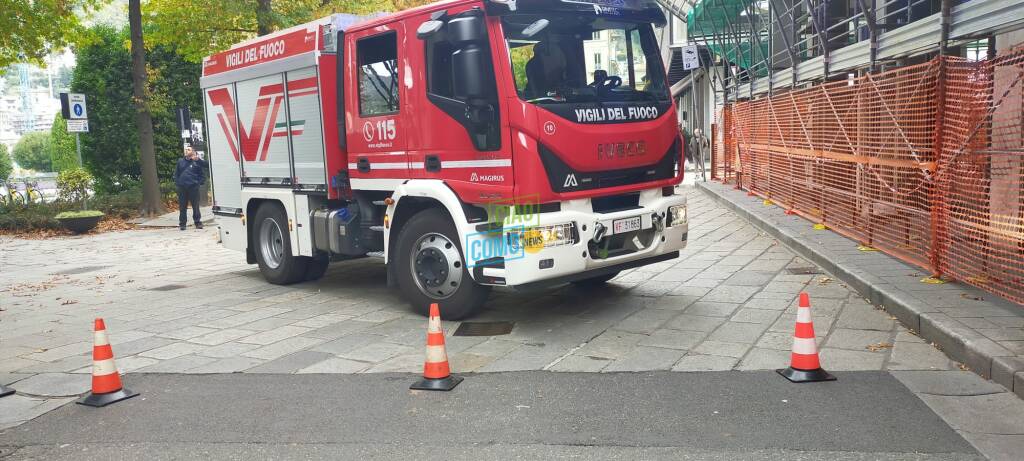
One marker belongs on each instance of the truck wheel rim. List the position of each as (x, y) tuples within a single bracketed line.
[(271, 243), (436, 266)]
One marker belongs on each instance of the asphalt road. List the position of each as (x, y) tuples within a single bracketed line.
[(523, 415)]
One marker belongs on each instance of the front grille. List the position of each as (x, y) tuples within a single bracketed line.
[(615, 203)]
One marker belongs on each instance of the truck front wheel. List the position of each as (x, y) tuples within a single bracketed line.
[(273, 247), (430, 267)]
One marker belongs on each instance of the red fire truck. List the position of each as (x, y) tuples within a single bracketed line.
[(468, 144)]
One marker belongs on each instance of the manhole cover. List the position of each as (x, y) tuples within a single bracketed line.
[(803, 270), (80, 270), (484, 329), (168, 288)]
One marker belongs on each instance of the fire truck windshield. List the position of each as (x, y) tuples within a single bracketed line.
[(583, 59)]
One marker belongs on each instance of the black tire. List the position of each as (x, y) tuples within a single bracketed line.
[(595, 281), (467, 296), (316, 269), (288, 269)]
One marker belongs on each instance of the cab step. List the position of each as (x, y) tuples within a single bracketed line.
[(376, 254), (377, 228)]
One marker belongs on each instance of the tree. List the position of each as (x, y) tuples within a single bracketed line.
[(6, 166), (62, 146), (143, 120), (214, 25), (110, 150), (34, 29), (32, 151)]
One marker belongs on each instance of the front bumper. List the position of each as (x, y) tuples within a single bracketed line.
[(566, 263)]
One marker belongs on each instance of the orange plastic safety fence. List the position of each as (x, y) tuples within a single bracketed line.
[(723, 147), (924, 162)]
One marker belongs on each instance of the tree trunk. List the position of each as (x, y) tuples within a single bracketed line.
[(151, 203), (264, 17)]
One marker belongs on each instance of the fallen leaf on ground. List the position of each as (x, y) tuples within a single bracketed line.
[(879, 347)]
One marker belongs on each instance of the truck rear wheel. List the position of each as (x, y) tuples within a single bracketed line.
[(274, 247), (430, 267)]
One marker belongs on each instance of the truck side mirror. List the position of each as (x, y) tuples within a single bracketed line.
[(428, 29), (472, 73), (472, 70), (467, 28)]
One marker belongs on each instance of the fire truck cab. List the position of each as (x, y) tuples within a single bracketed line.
[(467, 144)]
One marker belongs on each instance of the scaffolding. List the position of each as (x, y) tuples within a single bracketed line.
[(761, 46)]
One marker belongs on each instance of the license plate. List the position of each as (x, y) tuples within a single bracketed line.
[(626, 225)]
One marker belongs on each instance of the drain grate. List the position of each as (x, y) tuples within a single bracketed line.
[(80, 270), (168, 288), (803, 270), (484, 329)]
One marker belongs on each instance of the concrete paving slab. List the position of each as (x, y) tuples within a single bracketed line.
[(1001, 413), (949, 383), (931, 310), (54, 385)]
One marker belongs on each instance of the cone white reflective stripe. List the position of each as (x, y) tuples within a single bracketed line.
[(803, 315), (434, 325), (104, 367), (436, 354), (804, 346), (100, 338)]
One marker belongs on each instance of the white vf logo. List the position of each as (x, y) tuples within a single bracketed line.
[(570, 181)]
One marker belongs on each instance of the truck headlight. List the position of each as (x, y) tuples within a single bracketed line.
[(677, 215)]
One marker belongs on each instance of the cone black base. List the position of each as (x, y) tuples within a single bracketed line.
[(806, 376), (102, 400), (5, 391), (443, 384)]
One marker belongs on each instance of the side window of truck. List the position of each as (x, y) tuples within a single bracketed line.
[(449, 80), (378, 74)]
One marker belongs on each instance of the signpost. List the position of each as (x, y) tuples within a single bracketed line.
[(73, 108), (691, 60)]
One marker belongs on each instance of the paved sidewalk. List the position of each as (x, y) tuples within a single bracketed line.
[(177, 302), (978, 328), (171, 219)]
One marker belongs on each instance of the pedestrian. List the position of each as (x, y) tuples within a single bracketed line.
[(188, 177)]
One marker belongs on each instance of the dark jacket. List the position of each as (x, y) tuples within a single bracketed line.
[(190, 173)]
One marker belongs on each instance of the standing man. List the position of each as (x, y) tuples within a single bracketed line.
[(190, 174)]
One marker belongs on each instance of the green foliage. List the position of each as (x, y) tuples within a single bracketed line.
[(520, 56), (32, 151), (79, 214), (74, 185), (111, 150), (62, 146), (30, 217), (199, 28), (32, 29), (6, 165)]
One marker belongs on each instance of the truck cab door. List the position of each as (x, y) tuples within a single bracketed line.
[(374, 94)]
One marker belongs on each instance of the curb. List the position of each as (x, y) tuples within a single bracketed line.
[(982, 355)]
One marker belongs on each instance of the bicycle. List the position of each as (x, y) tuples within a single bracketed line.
[(31, 193), (11, 196)]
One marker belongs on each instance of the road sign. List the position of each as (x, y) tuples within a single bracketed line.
[(690, 58), (78, 126), (72, 106)]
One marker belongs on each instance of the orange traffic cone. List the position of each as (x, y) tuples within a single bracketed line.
[(805, 366), (106, 381), (5, 391), (436, 374)]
